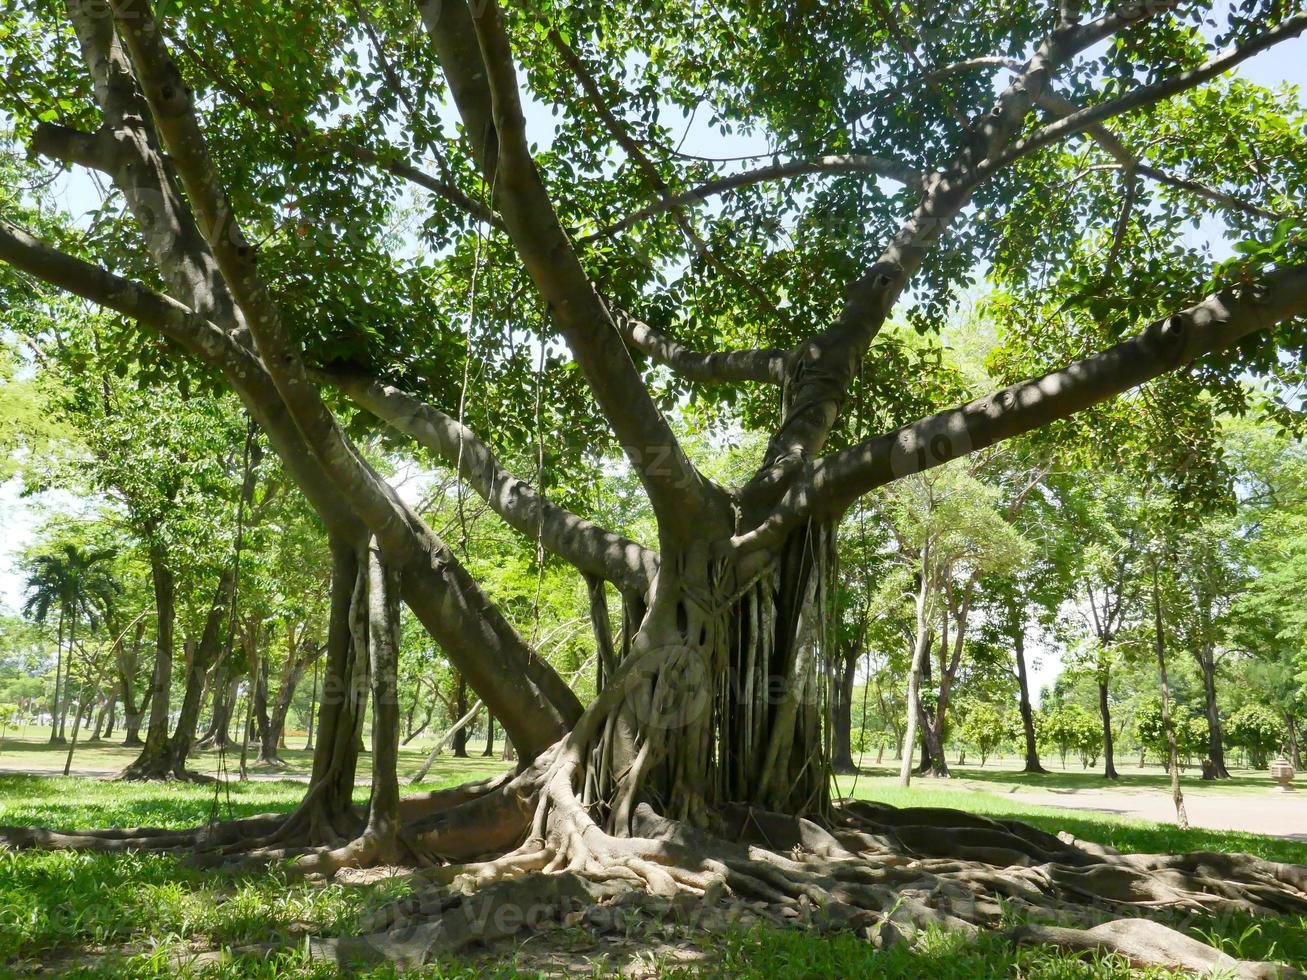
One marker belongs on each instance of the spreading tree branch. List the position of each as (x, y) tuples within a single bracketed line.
[(763, 364), (849, 163), (1146, 95), (172, 108), (824, 369), (475, 55), (1130, 162), (1217, 322), (635, 152), (590, 548), (439, 590)]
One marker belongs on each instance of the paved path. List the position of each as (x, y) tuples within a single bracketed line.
[(1276, 814)]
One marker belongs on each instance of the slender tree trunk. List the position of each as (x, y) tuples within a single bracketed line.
[(1295, 758), (68, 676), (1105, 711), (132, 714), (460, 709), (327, 812), (201, 659), (263, 719), (274, 736), (113, 717), (1215, 742), (98, 724), (224, 704), (933, 733), (842, 711), (920, 650), (419, 729), (383, 648), (1027, 711), (313, 705), (58, 679), (1181, 817), (77, 725), (490, 734), (923, 717)]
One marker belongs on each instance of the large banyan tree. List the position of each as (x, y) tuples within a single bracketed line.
[(337, 209)]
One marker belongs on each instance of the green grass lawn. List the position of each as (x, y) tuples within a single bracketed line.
[(28, 749), (128, 915), (1124, 833)]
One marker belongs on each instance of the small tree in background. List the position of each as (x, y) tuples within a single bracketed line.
[(986, 727), (1257, 730)]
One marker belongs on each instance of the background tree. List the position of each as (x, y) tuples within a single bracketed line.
[(72, 581)]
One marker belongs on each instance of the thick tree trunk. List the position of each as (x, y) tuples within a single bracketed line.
[(224, 705), (154, 757), (1215, 744), (1105, 712), (131, 728), (846, 669), (720, 699), (1295, 756), (1027, 711), (327, 812), (202, 658)]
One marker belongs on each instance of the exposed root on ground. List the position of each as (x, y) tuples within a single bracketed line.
[(523, 851), (162, 771), (883, 871)]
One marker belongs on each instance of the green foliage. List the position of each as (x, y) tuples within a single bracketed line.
[(986, 726), (1070, 728), (1257, 729)]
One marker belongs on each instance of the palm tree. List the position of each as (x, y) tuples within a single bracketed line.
[(75, 583)]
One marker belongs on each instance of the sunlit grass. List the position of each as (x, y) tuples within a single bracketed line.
[(28, 750), (136, 914), (1124, 833)]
